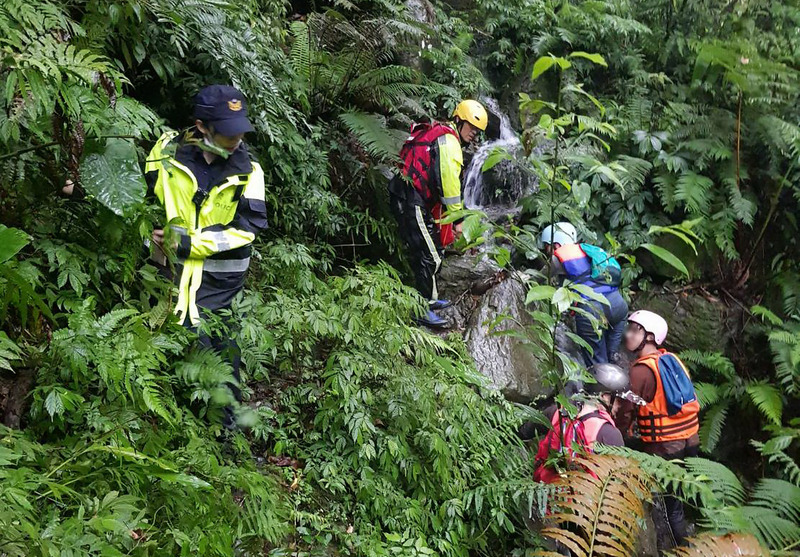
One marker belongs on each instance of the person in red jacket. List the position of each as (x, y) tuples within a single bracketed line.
[(592, 425), (426, 188)]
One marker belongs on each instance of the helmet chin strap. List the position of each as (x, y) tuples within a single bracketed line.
[(459, 125), (643, 343)]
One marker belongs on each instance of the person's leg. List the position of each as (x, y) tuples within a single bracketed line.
[(430, 250), (416, 227), (617, 314), (674, 506), (223, 342), (584, 328)]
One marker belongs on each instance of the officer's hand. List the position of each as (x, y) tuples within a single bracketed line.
[(158, 237), (457, 230)]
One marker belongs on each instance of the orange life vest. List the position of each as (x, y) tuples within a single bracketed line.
[(655, 423)]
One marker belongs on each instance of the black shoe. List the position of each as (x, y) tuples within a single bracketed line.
[(439, 304), (430, 319)]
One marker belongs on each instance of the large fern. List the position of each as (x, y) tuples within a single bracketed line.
[(381, 142), (729, 545), (596, 510)]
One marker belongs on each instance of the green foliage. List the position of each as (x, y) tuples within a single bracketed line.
[(114, 177), (402, 428), (367, 436), (768, 511)]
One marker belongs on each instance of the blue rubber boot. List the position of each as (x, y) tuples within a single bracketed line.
[(440, 304), (430, 319)]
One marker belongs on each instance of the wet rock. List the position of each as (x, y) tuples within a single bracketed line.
[(503, 358), (421, 11), (696, 319), (464, 273)]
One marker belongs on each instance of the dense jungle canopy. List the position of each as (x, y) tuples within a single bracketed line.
[(666, 130)]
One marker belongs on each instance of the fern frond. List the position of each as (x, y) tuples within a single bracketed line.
[(300, 54), (695, 191), (712, 361), (780, 496), (723, 482), (713, 422), (768, 400), (370, 130), (707, 393), (596, 509), (729, 545), (773, 530)]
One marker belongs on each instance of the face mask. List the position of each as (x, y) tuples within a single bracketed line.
[(212, 147)]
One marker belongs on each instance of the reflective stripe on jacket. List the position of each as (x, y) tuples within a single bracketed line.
[(578, 267), (432, 160), (215, 225), (655, 423)]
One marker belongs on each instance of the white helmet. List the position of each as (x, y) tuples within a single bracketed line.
[(651, 323), (564, 233)]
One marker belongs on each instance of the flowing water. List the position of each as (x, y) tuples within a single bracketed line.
[(502, 186)]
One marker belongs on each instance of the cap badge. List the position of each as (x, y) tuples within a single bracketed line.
[(235, 105)]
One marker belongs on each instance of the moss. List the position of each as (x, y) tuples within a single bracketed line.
[(695, 321)]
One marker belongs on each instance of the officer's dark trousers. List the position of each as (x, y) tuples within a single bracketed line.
[(418, 231), (224, 343), (605, 343)]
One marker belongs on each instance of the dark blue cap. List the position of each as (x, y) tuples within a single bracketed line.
[(223, 107)]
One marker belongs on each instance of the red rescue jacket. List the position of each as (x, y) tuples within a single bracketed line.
[(419, 157)]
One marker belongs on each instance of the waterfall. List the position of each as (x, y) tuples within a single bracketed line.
[(511, 186)]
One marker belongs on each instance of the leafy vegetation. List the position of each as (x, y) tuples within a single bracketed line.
[(666, 131)]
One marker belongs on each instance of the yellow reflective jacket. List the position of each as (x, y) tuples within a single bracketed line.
[(216, 210), (450, 163)]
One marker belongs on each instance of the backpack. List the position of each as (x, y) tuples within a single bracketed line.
[(678, 387), (417, 162), (417, 158), (576, 439), (605, 268)]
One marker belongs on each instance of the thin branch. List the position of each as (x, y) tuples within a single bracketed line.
[(54, 143)]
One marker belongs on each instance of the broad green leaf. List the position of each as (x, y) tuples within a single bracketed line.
[(563, 299), (542, 65), (54, 404), (592, 57), (667, 256), (496, 156), (582, 192), (501, 256), (11, 241), (590, 293), (540, 292), (114, 177)]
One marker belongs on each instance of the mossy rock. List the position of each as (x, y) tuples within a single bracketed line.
[(695, 321)]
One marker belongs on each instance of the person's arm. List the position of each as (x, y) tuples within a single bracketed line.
[(450, 163), (250, 219), (556, 267), (610, 436), (643, 383)]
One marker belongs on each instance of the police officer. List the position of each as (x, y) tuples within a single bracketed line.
[(213, 197)]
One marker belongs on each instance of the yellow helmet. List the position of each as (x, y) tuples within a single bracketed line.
[(472, 112)]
